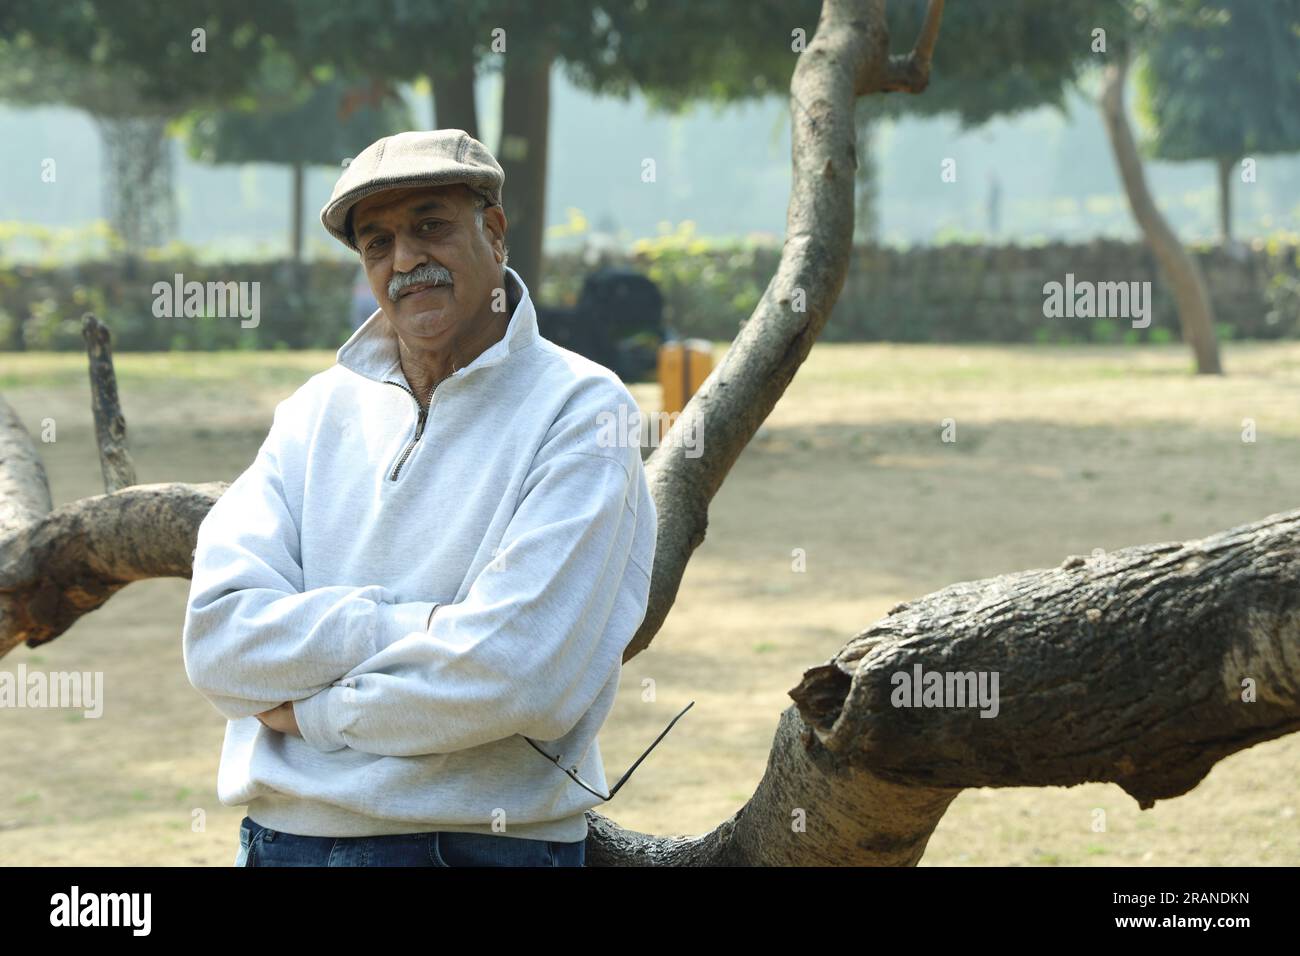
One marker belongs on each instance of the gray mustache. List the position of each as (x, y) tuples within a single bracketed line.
[(427, 272)]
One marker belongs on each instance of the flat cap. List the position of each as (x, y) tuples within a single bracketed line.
[(437, 157)]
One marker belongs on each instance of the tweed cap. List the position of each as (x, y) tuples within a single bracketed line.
[(437, 157)]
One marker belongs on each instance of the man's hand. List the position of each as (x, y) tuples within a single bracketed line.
[(282, 719)]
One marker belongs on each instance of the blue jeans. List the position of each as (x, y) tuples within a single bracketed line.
[(262, 846)]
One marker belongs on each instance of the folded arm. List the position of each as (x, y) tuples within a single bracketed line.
[(253, 638), (538, 635)]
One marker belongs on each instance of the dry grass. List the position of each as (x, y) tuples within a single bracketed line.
[(1058, 451)]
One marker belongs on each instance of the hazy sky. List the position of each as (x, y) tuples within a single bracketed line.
[(728, 171)]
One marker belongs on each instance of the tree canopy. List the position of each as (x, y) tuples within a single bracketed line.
[(1219, 80)]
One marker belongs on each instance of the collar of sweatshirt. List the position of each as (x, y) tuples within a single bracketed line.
[(372, 349)]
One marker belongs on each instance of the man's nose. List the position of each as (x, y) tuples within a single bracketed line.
[(407, 253)]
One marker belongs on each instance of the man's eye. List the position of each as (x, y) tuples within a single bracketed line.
[(374, 244), (431, 224)]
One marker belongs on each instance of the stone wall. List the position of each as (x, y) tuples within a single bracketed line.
[(995, 293), (952, 293)]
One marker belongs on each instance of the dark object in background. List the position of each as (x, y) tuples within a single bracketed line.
[(617, 322)]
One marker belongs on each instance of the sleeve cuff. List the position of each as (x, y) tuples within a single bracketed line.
[(312, 714)]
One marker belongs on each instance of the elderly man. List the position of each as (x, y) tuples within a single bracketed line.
[(412, 607)]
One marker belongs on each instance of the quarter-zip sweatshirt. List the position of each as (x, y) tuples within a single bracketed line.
[(511, 511)]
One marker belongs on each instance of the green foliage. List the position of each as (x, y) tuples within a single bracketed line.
[(318, 125), (1024, 55), (299, 308), (399, 40), (153, 42), (1108, 331), (35, 76), (679, 51), (709, 287), (1000, 58), (1283, 292), (1221, 79)]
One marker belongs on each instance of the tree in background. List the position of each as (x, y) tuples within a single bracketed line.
[(320, 125), (1056, 45), (1180, 269), (138, 162), (675, 51), (446, 42), (1221, 81), (135, 67), (1026, 57), (975, 81), (441, 41)]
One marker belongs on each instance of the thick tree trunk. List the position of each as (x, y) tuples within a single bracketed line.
[(453, 95), (138, 167), (1143, 667), (1195, 312), (525, 126), (848, 57), (1151, 664), (1225, 199)]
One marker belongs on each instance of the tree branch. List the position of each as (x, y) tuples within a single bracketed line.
[(910, 73), (68, 562), (1195, 311), (1127, 668), (110, 426), (24, 487), (735, 399)]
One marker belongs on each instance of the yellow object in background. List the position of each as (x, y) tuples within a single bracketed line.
[(683, 367)]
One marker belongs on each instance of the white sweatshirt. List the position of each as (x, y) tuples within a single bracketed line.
[(510, 508)]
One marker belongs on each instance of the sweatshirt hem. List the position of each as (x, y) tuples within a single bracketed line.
[(315, 818)]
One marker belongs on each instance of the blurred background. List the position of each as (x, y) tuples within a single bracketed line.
[(141, 140)]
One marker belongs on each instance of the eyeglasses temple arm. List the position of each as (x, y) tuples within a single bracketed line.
[(623, 778)]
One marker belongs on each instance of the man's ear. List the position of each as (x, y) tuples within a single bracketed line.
[(494, 220)]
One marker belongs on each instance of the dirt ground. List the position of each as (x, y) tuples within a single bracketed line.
[(1059, 451)]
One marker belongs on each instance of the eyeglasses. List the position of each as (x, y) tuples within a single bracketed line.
[(572, 772)]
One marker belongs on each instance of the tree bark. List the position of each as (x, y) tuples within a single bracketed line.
[(847, 57), (1138, 659), (1225, 165), (62, 564), (138, 165), (110, 425), (525, 126), (453, 95), (1195, 312), (1135, 667)]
